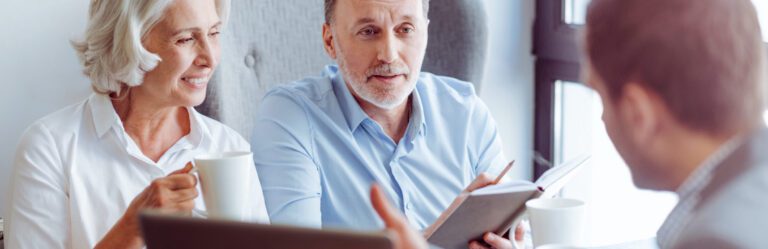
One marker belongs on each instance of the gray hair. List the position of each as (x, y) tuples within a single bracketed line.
[(330, 4), (111, 52)]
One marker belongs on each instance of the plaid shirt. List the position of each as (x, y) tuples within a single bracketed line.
[(689, 194)]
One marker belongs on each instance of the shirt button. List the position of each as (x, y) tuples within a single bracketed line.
[(408, 206)]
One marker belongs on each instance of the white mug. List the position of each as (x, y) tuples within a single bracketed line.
[(225, 180), (556, 221)]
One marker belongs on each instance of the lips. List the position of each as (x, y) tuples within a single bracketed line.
[(196, 82), (387, 78)]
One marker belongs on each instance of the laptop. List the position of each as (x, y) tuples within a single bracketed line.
[(164, 231)]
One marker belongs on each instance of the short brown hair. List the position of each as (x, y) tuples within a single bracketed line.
[(330, 4), (704, 58)]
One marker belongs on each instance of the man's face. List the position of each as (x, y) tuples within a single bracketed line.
[(379, 46), (620, 127)]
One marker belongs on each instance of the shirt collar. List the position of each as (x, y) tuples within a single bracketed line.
[(105, 118), (355, 115), (418, 120), (689, 192), (104, 115), (198, 132), (351, 110), (702, 175)]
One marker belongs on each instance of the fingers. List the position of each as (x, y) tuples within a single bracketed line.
[(187, 168), (519, 232), (482, 180), (404, 236), (184, 195), (477, 245), (178, 181), (175, 192), (185, 206), (388, 214), (495, 241)]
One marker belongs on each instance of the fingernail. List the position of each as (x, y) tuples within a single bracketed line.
[(490, 237)]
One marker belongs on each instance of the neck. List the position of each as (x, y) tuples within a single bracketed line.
[(697, 148), (153, 127), (394, 121)]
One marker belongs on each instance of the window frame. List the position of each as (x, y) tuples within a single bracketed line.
[(557, 56), (556, 53)]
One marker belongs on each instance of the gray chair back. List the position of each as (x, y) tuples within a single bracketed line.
[(271, 42)]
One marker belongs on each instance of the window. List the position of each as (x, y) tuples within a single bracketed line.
[(575, 11), (762, 12), (568, 123)]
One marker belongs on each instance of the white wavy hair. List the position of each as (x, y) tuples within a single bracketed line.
[(112, 54)]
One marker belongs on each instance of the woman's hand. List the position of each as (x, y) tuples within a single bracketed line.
[(174, 193)]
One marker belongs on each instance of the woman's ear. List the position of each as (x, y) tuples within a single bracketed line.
[(328, 43)]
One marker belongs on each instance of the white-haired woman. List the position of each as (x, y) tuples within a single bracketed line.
[(81, 174)]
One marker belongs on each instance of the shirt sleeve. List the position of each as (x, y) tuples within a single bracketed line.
[(38, 212), (485, 145), (282, 151)]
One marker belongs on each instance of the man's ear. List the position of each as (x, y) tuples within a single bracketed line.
[(642, 110), (328, 41)]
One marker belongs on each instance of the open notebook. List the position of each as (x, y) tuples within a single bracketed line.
[(496, 208)]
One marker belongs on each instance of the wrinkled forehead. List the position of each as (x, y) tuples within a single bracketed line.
[(356, 11)]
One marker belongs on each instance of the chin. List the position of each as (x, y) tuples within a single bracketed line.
[(193, 101), (647, 179)]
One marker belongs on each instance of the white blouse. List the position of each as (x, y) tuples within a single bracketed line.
[(77, 171)]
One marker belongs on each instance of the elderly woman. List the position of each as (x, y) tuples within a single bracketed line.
[(82, 174)]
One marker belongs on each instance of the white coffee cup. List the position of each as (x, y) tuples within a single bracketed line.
[(225, 180), (556, 221)]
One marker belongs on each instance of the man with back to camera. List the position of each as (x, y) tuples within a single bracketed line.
[(682, 84)]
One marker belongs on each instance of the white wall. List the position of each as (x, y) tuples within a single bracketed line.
[(509, 71), (41, 73)]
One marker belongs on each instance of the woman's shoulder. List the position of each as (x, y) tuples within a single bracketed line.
[(46, 136), (63, 121)]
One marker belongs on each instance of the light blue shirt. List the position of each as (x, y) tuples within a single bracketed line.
[(317, 152)]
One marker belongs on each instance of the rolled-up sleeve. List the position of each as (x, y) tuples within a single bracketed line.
[(38, 215), (282, 150)]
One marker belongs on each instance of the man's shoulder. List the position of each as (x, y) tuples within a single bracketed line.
[(735, 214), (446, 85), (447, 92), (312, 88)]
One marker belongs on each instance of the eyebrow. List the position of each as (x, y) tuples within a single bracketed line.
[(366, 20), (177, 32)]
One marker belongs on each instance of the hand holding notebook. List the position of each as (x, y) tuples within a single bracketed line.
[(485, 207)]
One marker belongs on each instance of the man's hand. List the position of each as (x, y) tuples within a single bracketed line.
[(481, 181), (405, 236), (174, 193), (499, 242), (495, 241)]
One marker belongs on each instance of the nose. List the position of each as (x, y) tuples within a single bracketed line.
[(388, 49), (206, 56)]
